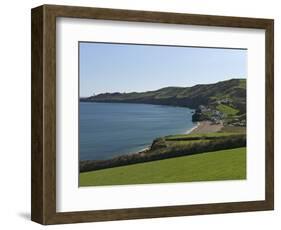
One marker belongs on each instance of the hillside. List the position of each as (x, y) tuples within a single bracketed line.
[(191, 97), (170, 147), (225, 100), (210, 166)]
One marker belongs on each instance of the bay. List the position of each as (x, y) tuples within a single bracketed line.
[(107, 130)]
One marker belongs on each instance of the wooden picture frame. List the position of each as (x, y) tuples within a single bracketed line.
[(43, 202)]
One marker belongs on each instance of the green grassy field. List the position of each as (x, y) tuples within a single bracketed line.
[(202, 136), (220, 165), (227, 110)]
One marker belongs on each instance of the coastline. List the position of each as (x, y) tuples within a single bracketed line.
[(189, 131), (205, 127)]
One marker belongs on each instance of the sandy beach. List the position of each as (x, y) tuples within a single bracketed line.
[(206, 127)]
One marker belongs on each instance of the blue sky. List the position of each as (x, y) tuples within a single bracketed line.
[(129, 68)]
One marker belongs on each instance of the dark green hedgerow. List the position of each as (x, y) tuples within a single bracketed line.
[(163, 151)]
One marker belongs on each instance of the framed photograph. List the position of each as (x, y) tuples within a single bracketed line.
[(141, 114)]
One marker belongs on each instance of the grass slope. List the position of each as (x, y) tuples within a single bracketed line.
[(227, 110), (220, 165), (205, 135), (192, 97)]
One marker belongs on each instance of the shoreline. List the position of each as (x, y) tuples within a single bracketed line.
[(205, 127), (201, 127), (144, 150), (189, 131)]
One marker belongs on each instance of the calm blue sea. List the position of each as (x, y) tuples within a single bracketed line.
[(111, 129)]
